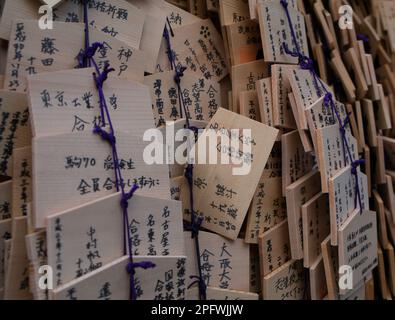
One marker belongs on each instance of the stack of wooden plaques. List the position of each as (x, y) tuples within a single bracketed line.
[(312, 81)]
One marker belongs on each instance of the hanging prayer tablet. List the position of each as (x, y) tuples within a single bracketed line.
[(232, 11), (286, 283), (165, 281), (244, 78), (225, 263), (306, 90), (244, 40), (35, 51), (68, 101), (276, 33), (316, 227), (177, 18), (199, 48), (295, 161), (83, 239), (318, 288), (267, 209), (345, 197), (199, 96), (228, 190), (297, 194), (323, 114), (358, 245), (332, 152), (282, 111), (253, 4), (274, 248), (86, 166)]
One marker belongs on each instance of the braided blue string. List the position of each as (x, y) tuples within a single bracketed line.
[(86, 58), (130, 268), (308, 64)]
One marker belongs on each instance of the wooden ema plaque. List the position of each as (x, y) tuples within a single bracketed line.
[(298, 194), (246, 75), (282, 111), (295, 161), (53, 50), (36, 250), (78, 247), (68, 101), (227, 195), (200, 96), (123, 21), (343, 199), (275, 31), (319, 115), (177, 19), (316, 227), (332, 152), (194, 44), (244, 41), (318, 288), (111, 282), (232, 11), (249, 105), (264, 94), (286, 283), (16, 286), (86, 165), (274, 247), (267, 209), (358, 245), (225, 263), (268, 206), (306, 92), (253, 4)]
